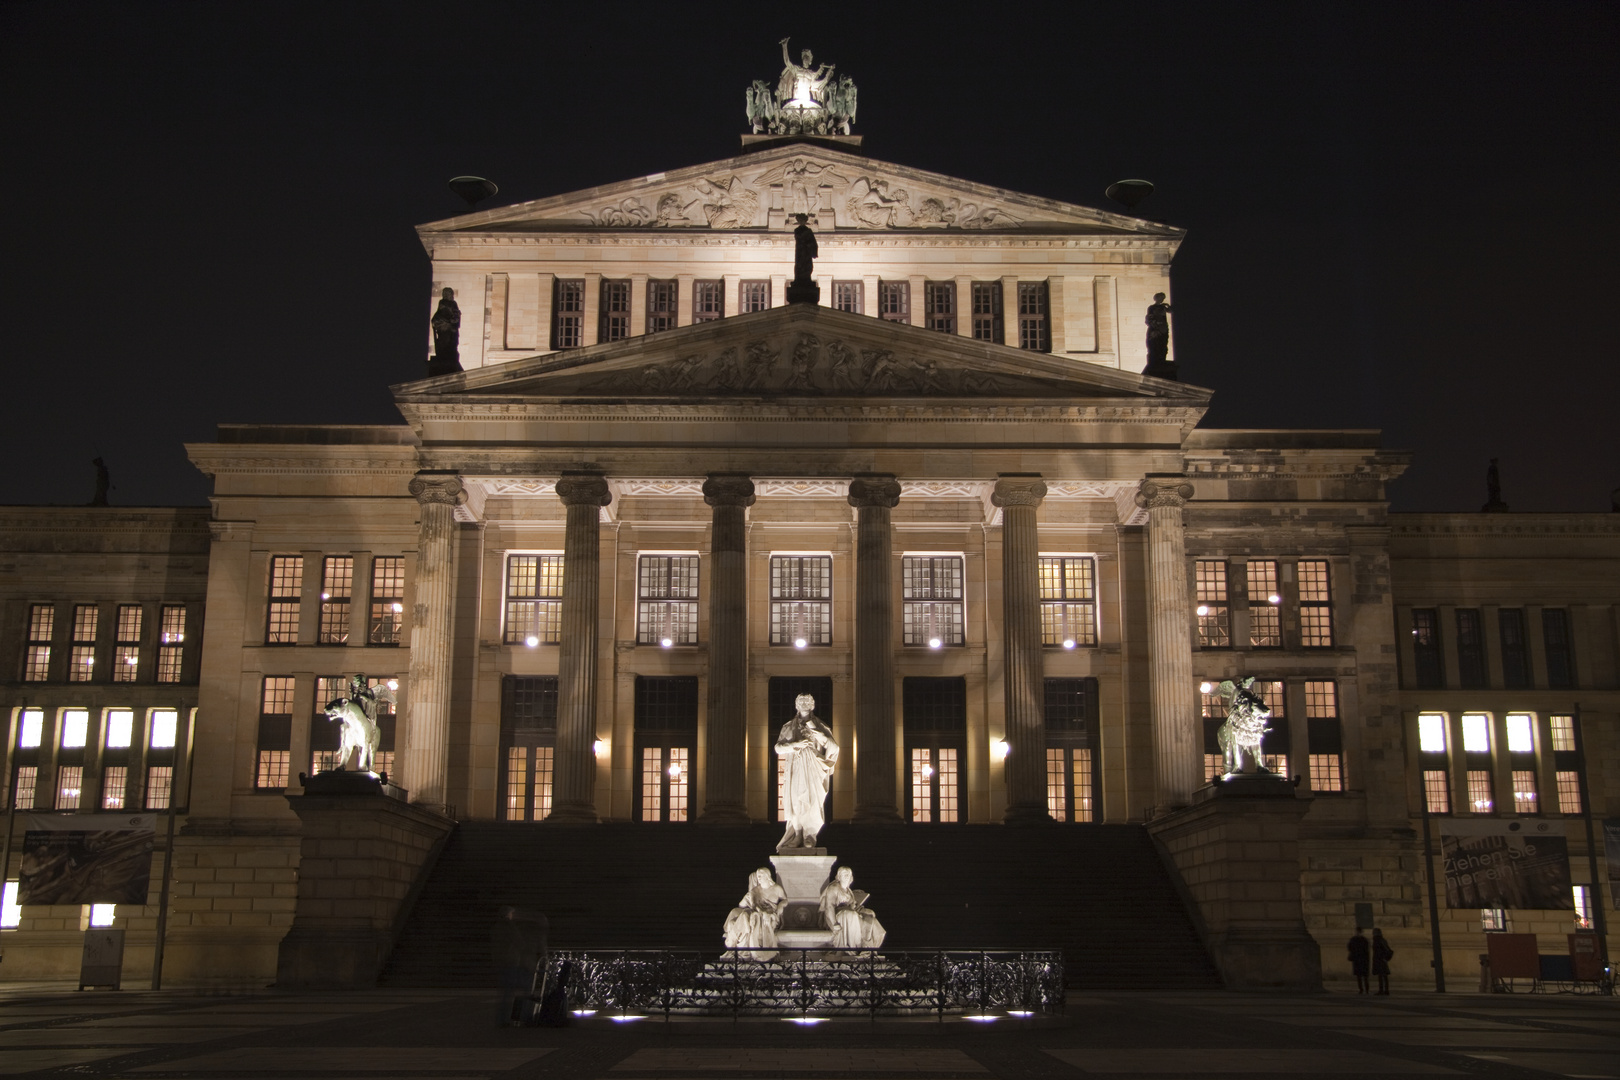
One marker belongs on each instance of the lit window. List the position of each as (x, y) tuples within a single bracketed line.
[(1033, 333), (708, 303), (756, 296), (325, 735), (10, 910), (1325, 735), (120, 728), (667, 595), (1214, 627), (1057, 789), (171, 643), (165, 725), (75, 728), (286, 589), (894, 301), (127, 648), (387, 599), (1563, 734), (661, 303), (934, 784), (82, 660), (1480, 800), (1583, 907), (1265, 605), (534, 599), (69, 786), (1476, 733), (1432, 733), (41, 627), (1493, 920), (337, 587), (1520, 733), (847, 296), (159, 782), (932, 613), (518, 795), (1436, 791), (801, 600), (1524, 791), (32, 730), (987, 311), (1213, 711), (1068, 600), (275, 734), (568, 314), (1569, 792), (1274, 744), (665, 776), (101, 915), (27, 781), (1082, 784), (939, 306), (614, 317), (1315, 605), (114, 782), (383, 760)]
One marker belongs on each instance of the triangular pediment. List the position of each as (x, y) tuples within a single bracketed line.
[(795, 353), (763, 189)]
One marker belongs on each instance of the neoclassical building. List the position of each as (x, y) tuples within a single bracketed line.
[(657, 501)]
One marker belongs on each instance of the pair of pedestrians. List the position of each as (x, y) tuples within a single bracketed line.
[(1376, 954)]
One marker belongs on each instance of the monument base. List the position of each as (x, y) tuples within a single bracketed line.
[(803, 292), (802, 872), (1162, 369)]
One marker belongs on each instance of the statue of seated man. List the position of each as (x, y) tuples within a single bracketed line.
[(752, 923), (845, 913)]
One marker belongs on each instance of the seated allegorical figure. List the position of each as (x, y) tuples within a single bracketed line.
[(844, 911), (752, 923)]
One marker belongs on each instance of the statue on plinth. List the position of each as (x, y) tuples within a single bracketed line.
[(1493, 491), (844, 911), (808, 752), (1158, 339), (1245, 727), (752, 923), (446, 335), (358, 715), (806, 101), (803, 288)]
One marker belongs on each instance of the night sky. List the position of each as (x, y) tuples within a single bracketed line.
[(1400, 215)]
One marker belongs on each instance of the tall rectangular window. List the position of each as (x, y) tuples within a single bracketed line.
[(69, 786), (325, 734), (1033, 331), (1480, 800), (708, 301), (1325, 735), (127, 644), (661, 303), (1515, 657), (286, 590), (1470, 650), (939, 306), (275, 734), (86, 622), (10, 910), (614, 317), (894, 301), (801, 600), (1274, 744), (114, 785), (932, 602), (1427, 666), (1560, 662), (1265, 605), (987, 311), (171, 642), (1211, 714), (1315, 604), (1436, 791), (849, 296), (337, 589), (387, 599), (32, 730), (754, 296), (934, 769), (1521, 744), (27, 783), (41, 628), (1214, 617), (1566, 765), (667, 600), (159, 786), (568, 313), (1068, 600), (534, 599), (1524, 791), (1569, 791), (386, 727)]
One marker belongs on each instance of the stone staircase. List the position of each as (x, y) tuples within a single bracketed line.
[(1097, 892)]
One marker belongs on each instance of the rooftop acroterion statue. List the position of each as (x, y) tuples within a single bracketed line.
[(807, 99)]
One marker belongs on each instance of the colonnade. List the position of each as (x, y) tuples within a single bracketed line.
[(1178, 749)]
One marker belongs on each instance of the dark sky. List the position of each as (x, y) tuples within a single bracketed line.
[(1400, 215)]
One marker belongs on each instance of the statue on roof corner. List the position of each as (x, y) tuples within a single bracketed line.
[(446, 325), (806, 101)]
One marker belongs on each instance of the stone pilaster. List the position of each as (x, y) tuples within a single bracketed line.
[(574, 779), (725, 776), (875, 796), (1177, 740), (1023, 667), (425, 770)]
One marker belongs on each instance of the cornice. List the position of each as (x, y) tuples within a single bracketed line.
[(775, 239), (1509, 525), (560, 411), (313, 459)]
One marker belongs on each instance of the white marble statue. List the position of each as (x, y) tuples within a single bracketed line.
[(844, 911), (752, 923), (358, 715), (808, 752), (1245, 727)]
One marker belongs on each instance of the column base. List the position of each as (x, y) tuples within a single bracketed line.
[(571, 814), (731, 815), (1027, 815)]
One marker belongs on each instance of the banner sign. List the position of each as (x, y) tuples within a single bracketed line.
[(86, 859), (1611, 848), (1505, 863)]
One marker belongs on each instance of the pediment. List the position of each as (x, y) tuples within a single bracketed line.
[(801, 352), (764, 189)]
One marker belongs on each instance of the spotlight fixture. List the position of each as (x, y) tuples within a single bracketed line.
[(1068, 643), (1203, 609), (531, 641), (1273, 599), (1000, 749), (799, 643), (599, 747), (675, 771), (666, 642), (1205, 687), (934, 643)]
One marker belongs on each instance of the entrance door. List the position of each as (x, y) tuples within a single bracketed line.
[(1073, 765), (784, 691), (934, 715), (528, 741), (666, 740)]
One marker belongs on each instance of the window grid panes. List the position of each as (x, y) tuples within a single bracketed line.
[(1033, 333), (1068, 600), (708, 301), (275, 733), (337, 587), (1480, 800), (387, 599), (1470, 651), (1524, 791), (326, 734), (127, 650), (754, 296), (82, 663), (939, 306), (1555, 635), (1563, 734), (69, 786), (517, 782), (1324, 735), (158, 780), (41, 628), (847, 296), (171, 643), (1057, 791), (801, 599), (1569, 791), (286, 588), (987, 311), (664, 768), (1315, 604), (114, 781), (894, 301), (933, 600), (667, 594), (1515, 658), (1436, 791), (615, 311), (1265, 605), (661, 304), (568, 314), (534, 599), (934, 770), (27, 781), (1214, 618), (82, 659)]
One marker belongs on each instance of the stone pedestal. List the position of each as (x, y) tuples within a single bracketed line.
[(361, 857), (801, 877), (1236, 849)]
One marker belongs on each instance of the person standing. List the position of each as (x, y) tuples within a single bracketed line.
[(1360, 953), (1381, 953)]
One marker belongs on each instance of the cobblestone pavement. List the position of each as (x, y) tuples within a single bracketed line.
[(448, 1035)]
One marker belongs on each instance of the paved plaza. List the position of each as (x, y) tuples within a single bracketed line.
[(448, 1035)]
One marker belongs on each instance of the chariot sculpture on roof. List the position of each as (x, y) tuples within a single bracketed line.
[(808, 100)]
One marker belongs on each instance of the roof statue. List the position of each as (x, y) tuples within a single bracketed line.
[(807, 100)]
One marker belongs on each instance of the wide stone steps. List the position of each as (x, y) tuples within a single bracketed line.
[(1096, 892)]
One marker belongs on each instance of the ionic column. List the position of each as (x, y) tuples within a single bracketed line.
[(425, 770), (1022, 666), (574, 778), (725, 778), (1177, 740), (875, 802)]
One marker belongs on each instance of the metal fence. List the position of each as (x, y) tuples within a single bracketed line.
[(812, 982)]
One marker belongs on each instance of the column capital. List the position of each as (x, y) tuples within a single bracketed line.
[(583, 489), (728, 489), (1171, 491), (445, 489), (1018, 489), (874, 489)]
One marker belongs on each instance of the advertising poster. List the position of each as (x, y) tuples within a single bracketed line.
[(1513, 864), (86, 859)]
